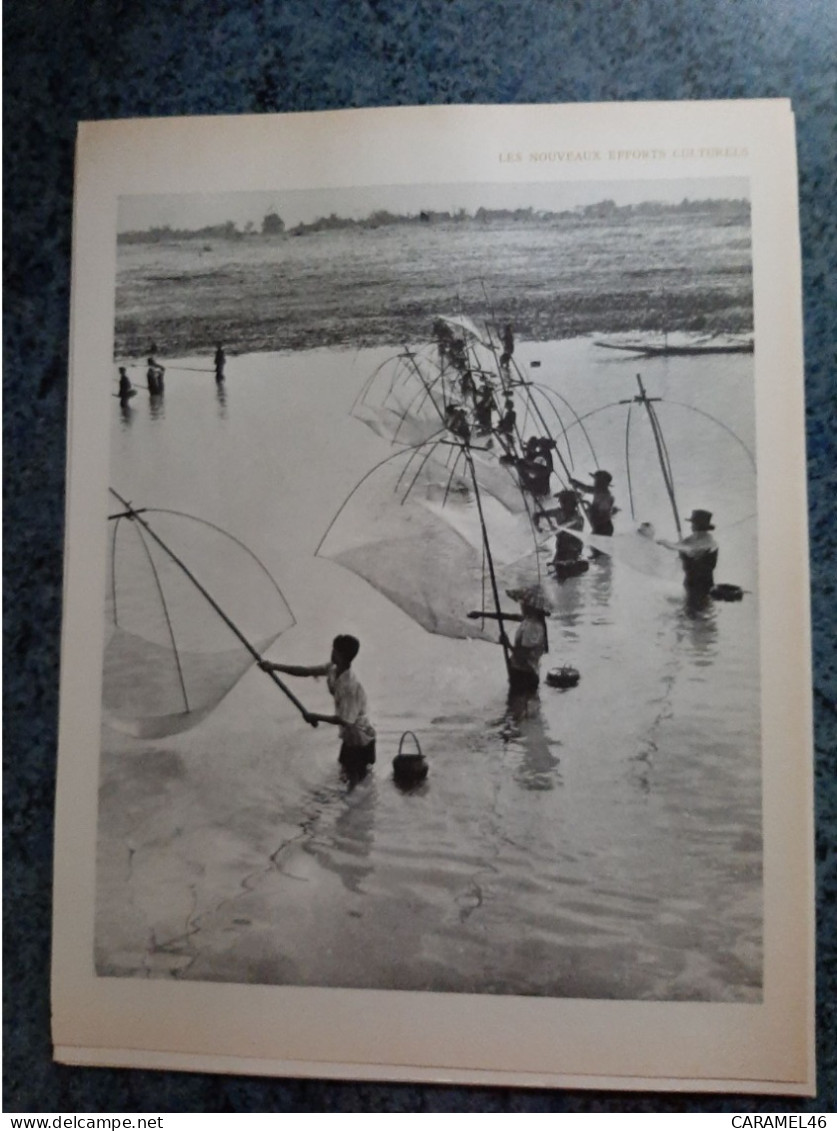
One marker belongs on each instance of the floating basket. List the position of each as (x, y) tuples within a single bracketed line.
[(725, 592), (563, 677), (409, 767)]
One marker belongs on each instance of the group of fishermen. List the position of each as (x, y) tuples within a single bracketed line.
[(698, 554), (533, 462), (155, 376), (524, 652)]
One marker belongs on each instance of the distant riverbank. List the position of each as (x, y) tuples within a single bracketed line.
[(369, 287)]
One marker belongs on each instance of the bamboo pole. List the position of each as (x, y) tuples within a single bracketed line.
[(134, 515)]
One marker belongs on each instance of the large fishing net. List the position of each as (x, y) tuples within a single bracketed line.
[(459, 385), (422, 531), (189, 609)]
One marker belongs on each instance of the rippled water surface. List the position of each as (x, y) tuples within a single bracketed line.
[(603, 841)]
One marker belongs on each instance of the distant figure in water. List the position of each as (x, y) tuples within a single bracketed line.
[(602, 505), (567, 561), (530, 641), (508, 346), (507, 426), (444, 337), (154, 377), (456, 421), (535, 469), (126, 389), (357, 749), (698, 553), (484, 406), (220, 359)]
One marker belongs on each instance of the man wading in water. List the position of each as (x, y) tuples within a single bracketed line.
[(530, 641), (698, 554), (357, 750)]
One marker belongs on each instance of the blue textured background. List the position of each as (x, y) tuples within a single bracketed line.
[(68, 60)]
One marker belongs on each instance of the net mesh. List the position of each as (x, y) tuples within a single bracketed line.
[(412, 530), (188, 609)]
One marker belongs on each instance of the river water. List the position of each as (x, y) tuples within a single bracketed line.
[(600, 842)]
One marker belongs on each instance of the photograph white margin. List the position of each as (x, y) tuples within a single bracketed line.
[(482, 1039)]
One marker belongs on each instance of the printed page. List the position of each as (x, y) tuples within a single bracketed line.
[(435, 693)]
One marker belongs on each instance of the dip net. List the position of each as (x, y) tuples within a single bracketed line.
[(419, 528), (189, 610)]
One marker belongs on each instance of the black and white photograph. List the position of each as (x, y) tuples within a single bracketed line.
[(432, 572), (433, 603)]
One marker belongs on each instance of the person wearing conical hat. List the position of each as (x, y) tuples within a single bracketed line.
[(698, 553), (602, 506), (530, 641)]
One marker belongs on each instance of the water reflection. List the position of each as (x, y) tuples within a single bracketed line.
[(221, 397), (347, 851), (567, 599), (157, 407), (697, 627), (523, 727), (600, 582), (126, 412)]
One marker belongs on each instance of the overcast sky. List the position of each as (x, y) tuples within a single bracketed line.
[(201, 210)]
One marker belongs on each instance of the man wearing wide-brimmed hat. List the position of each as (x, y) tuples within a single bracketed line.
[(602, 506), (698, 552)]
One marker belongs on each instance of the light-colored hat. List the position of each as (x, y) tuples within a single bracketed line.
[(531, 598)]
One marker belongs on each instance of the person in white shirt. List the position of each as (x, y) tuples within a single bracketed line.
[(357, 749), (698, 553)]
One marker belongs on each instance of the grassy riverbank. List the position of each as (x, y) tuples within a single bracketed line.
[(384, 286)]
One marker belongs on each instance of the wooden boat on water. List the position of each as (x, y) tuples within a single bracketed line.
[(649, 349)]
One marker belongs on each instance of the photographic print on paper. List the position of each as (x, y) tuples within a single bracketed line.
[(503, 436)]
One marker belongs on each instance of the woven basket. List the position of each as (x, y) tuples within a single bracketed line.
[(563, 677), (409, 765)]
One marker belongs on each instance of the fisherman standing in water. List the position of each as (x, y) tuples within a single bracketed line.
[(567, 561), (357, 750), (506, 428), (220, 359), (484, 406), (126, 389), (456, 421), (530, 641), (508, 346), (602, 505), (535, 468), (154, 377), (698, 553)]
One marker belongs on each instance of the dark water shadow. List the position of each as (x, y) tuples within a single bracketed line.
[(345, 850), (523, 728), (221, 398), (697, 627)]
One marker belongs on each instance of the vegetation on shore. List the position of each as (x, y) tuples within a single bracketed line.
[(603, 269)]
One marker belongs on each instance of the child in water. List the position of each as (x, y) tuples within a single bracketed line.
[(357, 749)]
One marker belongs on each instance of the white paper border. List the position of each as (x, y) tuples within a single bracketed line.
[(393, 1034)]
